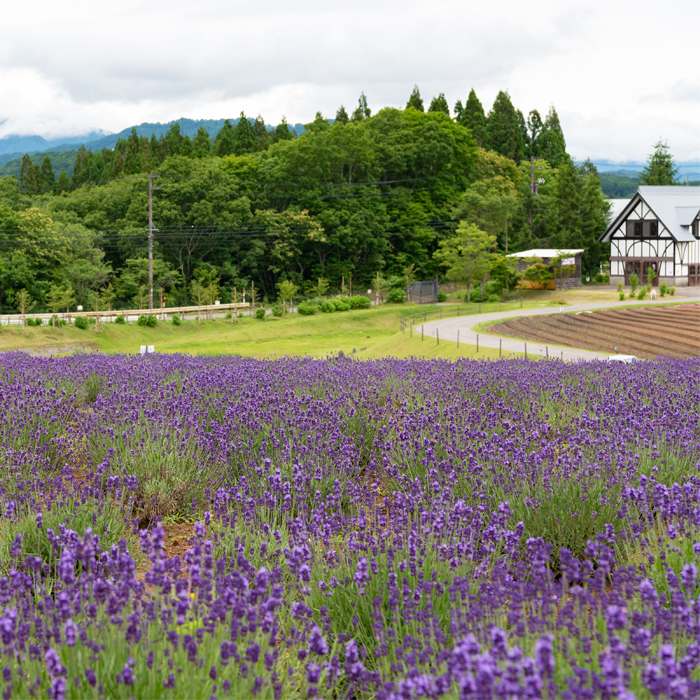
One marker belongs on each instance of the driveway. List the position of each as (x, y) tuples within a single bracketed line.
[(448, 329)]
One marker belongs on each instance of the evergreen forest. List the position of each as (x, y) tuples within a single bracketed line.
[(356, 195)]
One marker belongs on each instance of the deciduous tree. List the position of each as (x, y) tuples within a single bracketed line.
[(465, 255)]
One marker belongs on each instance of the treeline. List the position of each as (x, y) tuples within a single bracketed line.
[(365, 194)]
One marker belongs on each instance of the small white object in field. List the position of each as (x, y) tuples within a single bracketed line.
[(654, 293), (624, 359)]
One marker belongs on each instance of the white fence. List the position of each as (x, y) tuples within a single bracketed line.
[(109, 316)]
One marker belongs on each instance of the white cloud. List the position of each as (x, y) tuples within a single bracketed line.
[(67, 68)]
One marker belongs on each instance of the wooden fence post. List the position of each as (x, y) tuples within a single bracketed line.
[(477, 342), (422, 328), (526, 351), (437, 335), (546, 349), (457, 340), (500, 347)]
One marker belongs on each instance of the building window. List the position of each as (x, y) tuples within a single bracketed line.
[(643, 229), (634, 229)]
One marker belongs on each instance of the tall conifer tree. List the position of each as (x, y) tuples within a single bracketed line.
[(363, 111), (264, 138), (282, 132), (504, 133), (244, 137), (201, 143), (342, 116), (439, 104), (48, 179), (224, 141), (552, 140), (473, 117), (660, 168), (415, 100)]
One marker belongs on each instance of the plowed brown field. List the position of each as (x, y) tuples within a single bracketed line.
[(648, 332)]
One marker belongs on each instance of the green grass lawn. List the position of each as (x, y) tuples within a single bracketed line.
[(369, 333), (292, 335)]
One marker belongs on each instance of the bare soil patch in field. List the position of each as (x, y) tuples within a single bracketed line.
[(647, 332)]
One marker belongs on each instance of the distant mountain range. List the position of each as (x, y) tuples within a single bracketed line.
[(12, 147)]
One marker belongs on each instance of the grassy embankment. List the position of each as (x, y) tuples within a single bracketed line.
[(371, 333)]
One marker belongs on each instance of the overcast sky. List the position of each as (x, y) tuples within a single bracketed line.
[(621, 74)]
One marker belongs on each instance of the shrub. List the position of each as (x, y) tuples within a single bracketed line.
[(121, 319), (148, 320), (177, 321), (442, 296), (396, 296), (327, 307), (663, 288), (493, 298), (395, 282), (341, 304), (642, 292), (619, 286), (306, 308), (260, 314), (359, 302), (634, 282), (671, 290), (277, 310), (622, 295), (81, 322)]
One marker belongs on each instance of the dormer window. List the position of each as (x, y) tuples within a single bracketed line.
[(649, 228)]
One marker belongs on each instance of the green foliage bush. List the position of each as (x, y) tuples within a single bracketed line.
[(671, 290), (81, 322), (341, 304), (619, 286), (148, 320), (634, 282), (622, 296), (121, 320), (260, 314), (177, 321), (396, 282), (442, 296), (663, 288), (307, 308), (359, 302), (277, 310), (642, 292), (396, 296)]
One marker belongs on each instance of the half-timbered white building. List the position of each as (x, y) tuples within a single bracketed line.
[(658, 228)]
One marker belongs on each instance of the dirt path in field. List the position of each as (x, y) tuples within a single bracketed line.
[(580, 346)]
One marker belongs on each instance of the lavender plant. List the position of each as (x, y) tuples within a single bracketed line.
[(388, 529)]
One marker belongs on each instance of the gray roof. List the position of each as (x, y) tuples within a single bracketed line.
[(546, 252), (616, 208), (665, 203)]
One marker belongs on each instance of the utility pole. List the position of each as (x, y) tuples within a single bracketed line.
[(150, 238)]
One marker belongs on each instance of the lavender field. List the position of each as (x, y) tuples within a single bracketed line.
[(387, 529)]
